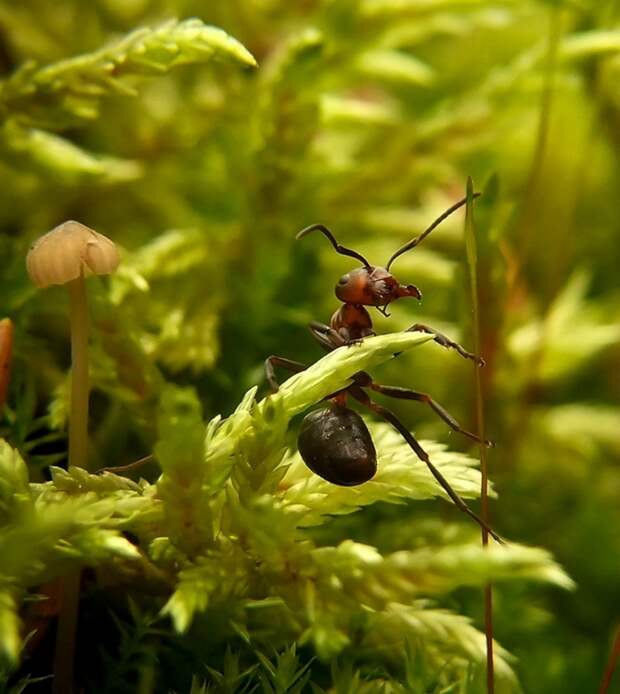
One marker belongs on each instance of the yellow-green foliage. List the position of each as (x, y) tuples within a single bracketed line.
[(201, 137), (223, 529)]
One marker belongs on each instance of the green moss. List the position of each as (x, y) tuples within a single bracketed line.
[(244, 571)]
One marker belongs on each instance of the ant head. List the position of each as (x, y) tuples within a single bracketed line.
[(376, 286), (367, 285), (372, 286)]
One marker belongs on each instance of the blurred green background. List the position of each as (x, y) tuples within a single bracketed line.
[(367, 116)]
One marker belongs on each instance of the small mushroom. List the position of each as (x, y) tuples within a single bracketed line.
[(66, 255), (68, 251)]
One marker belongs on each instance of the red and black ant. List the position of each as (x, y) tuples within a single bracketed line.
[(334, 442)]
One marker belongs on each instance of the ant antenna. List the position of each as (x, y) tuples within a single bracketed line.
[(339, 249), (414, 242)]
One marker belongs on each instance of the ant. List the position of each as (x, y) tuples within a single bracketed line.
[(334, 442)]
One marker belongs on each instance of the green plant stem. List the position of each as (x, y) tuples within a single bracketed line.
[(542, 134), (65, 633), (78, 443), (78, 418), (611, 664), (472, 261), (527, 221)]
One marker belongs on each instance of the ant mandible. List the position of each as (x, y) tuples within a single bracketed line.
[(334, 442)]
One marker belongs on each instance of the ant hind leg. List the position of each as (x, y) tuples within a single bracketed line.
[(390, 417), (407, 394)]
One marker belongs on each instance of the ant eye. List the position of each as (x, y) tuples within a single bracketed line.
[(344, 279)]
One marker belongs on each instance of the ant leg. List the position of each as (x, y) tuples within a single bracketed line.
[(361, 378), (130, 466), (327, 337), (331, 339), (273, 361), (390, 417), (407, 394), (444, 341)]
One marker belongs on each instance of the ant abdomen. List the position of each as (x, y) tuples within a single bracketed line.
[(336, 445)]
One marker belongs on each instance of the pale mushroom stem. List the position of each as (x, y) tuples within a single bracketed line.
[(78, 443), (61, 257), (78, 418)]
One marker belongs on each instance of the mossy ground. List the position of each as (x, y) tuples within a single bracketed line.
[(161, 132)]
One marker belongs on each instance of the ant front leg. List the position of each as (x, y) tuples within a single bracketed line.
[(390, 417), (273, 361), (444, 341), (130, 466), (327, 337), (407, 394)]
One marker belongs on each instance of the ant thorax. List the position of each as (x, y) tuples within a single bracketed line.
[(352, 322)]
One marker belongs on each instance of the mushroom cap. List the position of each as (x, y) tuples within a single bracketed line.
[(69, 250)]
